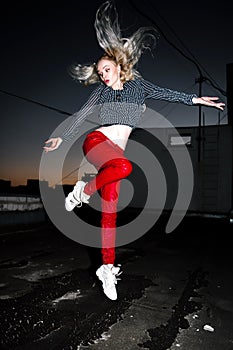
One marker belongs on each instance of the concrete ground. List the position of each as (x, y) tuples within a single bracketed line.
[(175, 291)]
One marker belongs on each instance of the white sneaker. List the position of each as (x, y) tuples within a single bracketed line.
[(76, 197), (107, 274)]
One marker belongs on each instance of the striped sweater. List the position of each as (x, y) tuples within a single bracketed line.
[(122, 106)]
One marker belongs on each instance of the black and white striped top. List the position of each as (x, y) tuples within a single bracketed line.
[(122, 106)]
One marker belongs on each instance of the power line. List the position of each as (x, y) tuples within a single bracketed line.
[(161, 32), (70, 173), (41, 104), (174, 46), (34, 102), (214, 83), (216, 87), (53, 109)]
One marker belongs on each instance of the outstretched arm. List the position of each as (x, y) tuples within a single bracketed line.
[(209, 101), (160, 93), (76, 120)]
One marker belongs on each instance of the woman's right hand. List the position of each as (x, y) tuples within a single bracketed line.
[(55, 143)]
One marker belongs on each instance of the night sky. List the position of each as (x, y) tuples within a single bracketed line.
[(40, 39)]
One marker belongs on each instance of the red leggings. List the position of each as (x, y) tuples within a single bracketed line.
[(108, 158)]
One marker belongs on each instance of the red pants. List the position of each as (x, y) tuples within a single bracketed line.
[(108, 158)]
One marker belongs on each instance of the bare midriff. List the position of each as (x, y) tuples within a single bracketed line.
[(118, 134)]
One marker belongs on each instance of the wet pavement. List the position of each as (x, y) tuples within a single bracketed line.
[(175, 291)]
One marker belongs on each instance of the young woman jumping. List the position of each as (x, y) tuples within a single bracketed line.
[(121, 95)]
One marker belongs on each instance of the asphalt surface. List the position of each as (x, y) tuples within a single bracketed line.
[(175, 291)]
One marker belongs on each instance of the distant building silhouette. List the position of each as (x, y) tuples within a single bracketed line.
[(33, 187), (5, 186)]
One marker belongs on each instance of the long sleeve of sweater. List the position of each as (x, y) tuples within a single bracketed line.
[(78, 117), (160, 93)]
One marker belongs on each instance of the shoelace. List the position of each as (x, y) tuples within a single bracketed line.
[(79, 204), (115, 275), (111, 278)]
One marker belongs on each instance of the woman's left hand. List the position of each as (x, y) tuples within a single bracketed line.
[(209, 101)]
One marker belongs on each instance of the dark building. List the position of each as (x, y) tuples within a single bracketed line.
[(5, 186), (33, 187)]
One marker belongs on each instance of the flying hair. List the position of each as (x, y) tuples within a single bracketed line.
[(123, 51)]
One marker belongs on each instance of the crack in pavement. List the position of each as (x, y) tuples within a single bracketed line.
[(163, 337)]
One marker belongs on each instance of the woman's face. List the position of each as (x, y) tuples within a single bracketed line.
[(109, 73)]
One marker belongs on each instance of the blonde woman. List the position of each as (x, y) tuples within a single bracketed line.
[(120, 95)]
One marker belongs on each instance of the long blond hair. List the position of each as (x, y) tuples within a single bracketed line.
[(123, 51)]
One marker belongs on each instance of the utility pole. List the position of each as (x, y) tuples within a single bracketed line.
[(230, 122), (199, 80)]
